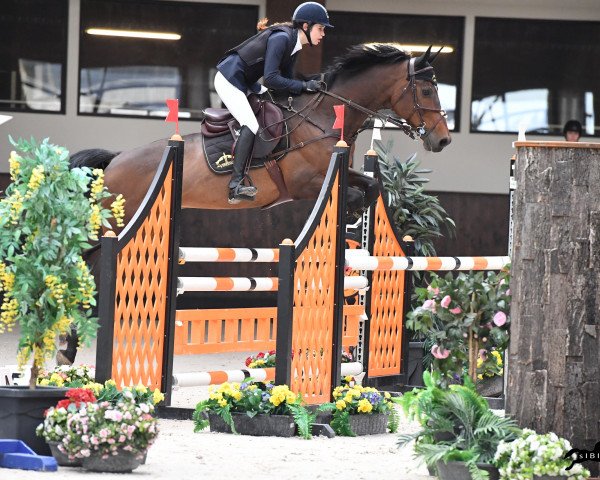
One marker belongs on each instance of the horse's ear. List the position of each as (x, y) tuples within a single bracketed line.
[(423, 59), (434, 56)]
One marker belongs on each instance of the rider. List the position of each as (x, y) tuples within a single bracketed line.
[(270, 54)]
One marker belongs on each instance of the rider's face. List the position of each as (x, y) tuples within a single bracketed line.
[(317, 32)]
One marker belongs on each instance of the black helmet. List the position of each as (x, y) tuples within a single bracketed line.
[(311, 12), (573, 126)]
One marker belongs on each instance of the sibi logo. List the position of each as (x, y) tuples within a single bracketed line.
[(583, 455), (224, 160)]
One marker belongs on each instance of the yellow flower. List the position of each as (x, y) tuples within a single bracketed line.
[(222, 402), (157, 396), (237, 395), (94, 387), (36, 179), (98, 183), (14, 162), (364, 406), (387, 395), (110, 383), (140, 388), (95, 221), (348, 398), (118, 210), (340, 404)]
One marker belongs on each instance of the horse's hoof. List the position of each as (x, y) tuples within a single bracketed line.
[(61, 359), (233, 201)]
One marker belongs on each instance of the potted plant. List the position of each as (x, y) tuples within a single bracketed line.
[(465, 317), (108, 433), (261, 360), (47, 218), (459, 433), (358, 410), (71, 376), (253, 408), (535, 456)]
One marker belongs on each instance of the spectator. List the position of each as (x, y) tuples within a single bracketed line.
[(572, 131)]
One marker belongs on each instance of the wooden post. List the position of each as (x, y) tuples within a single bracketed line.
[(554, 359)]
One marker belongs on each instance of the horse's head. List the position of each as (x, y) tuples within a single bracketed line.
[(418, 103)]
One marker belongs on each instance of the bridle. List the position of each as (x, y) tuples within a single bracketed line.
[(412, 75), (420, 132)]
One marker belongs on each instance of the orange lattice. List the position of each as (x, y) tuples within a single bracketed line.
[(140, 300), (313, 309), (387, 307)]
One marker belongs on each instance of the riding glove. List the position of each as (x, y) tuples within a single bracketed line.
[(312, 86)]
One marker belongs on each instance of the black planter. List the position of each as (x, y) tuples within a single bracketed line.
[(459, 471), (258, 426), (22, 410), (414, 374)]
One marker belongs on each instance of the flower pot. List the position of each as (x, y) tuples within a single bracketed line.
[(123, 462), (62, 458), (414, 374), (368, 423), (22, 410), (258, 426), (459, 471), (491, 386)]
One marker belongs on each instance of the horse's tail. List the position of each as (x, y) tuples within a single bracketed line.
[(92, 158)]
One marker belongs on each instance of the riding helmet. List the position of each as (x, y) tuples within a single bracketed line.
[(311, 12), (573, 126)]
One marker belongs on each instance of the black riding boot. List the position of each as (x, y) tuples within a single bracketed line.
[(241, 156)]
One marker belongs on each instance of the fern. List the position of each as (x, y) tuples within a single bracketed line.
[(393, 420), (341, 424), (303, 419), (225, 414), (199, 417)]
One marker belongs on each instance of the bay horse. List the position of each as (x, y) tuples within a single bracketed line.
[(367, 79)]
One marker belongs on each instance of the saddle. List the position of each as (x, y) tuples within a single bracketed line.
[(220, 131)]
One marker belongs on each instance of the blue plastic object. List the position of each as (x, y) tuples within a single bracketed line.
[(17, 454)]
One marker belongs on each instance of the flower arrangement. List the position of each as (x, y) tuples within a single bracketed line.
[(84, 425), (67, 376), (489, 364), (354, 399), (47, 218), (532, 455), (253, 398), (465, 318), (267, 359), (261, 360)]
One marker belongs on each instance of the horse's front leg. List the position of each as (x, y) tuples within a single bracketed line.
[(368, 186)]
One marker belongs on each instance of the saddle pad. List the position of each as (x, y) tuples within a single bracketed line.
[(217, 151)]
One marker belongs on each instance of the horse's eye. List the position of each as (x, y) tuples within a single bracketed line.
[(426, 92)]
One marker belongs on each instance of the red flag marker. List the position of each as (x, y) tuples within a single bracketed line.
[(173, 115), (339, 119)]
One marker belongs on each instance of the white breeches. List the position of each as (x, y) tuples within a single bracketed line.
[(236, 102)]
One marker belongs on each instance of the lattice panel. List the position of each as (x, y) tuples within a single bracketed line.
[(140, 300), (387, 303), (313, 309)]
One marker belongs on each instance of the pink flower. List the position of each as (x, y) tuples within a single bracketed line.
[(436, 291), (439, 352), (483, 353), (508, 292), (446, 301), (456, 310), (429, 305), (499, 319)]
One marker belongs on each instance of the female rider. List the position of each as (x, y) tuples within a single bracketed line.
[(270, 54)]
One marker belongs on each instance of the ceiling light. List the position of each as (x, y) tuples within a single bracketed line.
[(109, 32)]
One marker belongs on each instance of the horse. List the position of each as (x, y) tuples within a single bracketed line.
[(367, 79)]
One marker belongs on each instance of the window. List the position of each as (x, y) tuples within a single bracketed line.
[(33, 55), (352, 28), (536, 75), (133, 76)]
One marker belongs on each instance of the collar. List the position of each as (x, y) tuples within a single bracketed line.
[(298, 45)]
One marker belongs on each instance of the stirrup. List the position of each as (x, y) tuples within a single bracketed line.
[(241, 192)]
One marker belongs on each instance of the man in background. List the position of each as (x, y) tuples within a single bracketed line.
[(572, 131)]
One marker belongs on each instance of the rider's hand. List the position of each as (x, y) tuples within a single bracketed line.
[(312, 86)]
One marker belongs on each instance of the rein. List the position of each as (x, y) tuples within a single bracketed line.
[(413, 132)]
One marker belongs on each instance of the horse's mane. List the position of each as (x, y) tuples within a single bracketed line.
[(360, 57)]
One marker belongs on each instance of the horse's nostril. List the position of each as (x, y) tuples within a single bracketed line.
[(444, 142)]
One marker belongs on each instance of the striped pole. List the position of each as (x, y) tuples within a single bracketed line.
[(217, 377), (249, 284), (238, 255), (427, 263)]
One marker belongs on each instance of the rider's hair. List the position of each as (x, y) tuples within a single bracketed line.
[(262, 24)]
